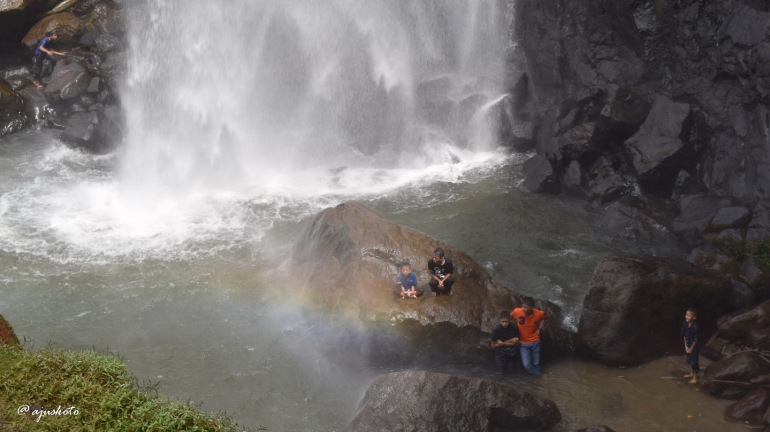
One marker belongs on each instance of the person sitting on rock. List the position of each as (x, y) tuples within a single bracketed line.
[(44, 57), (407, 282), (440, 270), (505, 341), (691, 334), (530, 321)]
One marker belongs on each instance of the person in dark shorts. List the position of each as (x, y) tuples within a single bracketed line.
[(440, 270), (407, 282), (505, 341), (44, 57), (691, 334)]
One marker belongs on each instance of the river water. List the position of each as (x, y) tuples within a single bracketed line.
[(170, 252)]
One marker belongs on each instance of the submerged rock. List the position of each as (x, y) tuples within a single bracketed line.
[(434, 402), (642, 217), (633, 303), (346, 261), (7, 336)]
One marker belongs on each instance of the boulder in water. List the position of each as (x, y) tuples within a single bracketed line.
[(643, 217), (13, 115), (347, 260), (37, 105), (633, 303), (435, 402), (539, 175)]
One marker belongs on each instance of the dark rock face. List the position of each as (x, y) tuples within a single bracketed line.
[(759, 339), (713, 258), (750, 409), (68, 84), (347, 259), (730, 217), (13, 117), (633, 303), (756, 274), (759, 227), (38, 107), (433, 402), (741, 323), (741, 296), (741, 367), (696, 212), (644, 217), (703, 66), (7, 336), (655, 149)]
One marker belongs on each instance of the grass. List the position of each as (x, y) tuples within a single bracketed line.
[(99, 386)]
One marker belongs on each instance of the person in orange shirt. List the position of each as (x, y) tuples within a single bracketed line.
[(530, 322)]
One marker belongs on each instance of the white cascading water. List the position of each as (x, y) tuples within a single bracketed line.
[(270, 96), (244, 112)]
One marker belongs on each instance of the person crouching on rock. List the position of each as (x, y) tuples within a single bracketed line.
[(505, 341), (440, 270), (44, 57), (691, 334), (407, 282), (530, 321)]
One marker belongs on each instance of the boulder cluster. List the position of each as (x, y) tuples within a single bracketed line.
[(81, 95), (656, 114)]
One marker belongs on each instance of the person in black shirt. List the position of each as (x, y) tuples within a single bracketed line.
[(505, 341), (440, 270), (691, 334)]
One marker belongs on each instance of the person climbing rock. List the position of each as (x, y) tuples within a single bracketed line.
[(44, 60)]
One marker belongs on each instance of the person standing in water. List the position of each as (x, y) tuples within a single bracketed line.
[(530, 322)]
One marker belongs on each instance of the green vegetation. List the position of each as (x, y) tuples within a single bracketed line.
[(761, 252), (99, 387)]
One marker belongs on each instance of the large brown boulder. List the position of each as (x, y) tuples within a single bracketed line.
[(7, 336), (635, 307), (13, 114), (67, 26), (741, 367), (346, 263), (434, 402)]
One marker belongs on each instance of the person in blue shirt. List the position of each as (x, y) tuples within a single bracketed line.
[(692, 346), (407, 282), (44, 56)]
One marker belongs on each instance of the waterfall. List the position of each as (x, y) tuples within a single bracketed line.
[(237, 94)]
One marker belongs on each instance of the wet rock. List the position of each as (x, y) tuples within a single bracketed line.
[(13, 116), (741, 296), (741, 367), (750, 409), (93, 86), (69, 85), (573, 180), (66, 66), (759, 339), (633, 303), (108, 20), (643, 217), (18, 77), (84, 7), (347, 258), (730, 217), (655, 147), (509, 130), (581, 139), (89, 38), (695, 212), (607, 186), (756, 274), (759, 227), (713, 258), (37, 106), (730, 239), (7, 336), (106, 43), (539, 175), (95, 132), (623, 113), (434, 402), (111, 71), (739, 324), (594, 429), (469, 106), (747, 26), (67, 26)]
